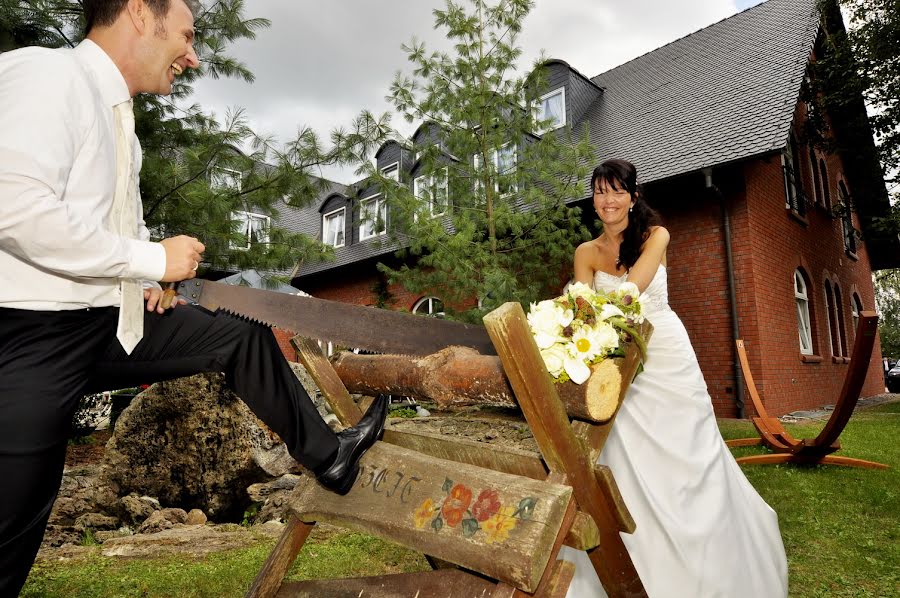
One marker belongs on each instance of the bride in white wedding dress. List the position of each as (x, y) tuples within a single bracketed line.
[(702, 529)]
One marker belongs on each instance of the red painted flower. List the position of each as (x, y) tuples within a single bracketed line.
[(456, 504), (487, 503)]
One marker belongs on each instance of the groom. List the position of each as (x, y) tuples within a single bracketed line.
[(80, 310)]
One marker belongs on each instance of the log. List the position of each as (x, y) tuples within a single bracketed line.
[(460, 376), (501, 525)]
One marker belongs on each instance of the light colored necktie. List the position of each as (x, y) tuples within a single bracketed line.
[(123, 221)]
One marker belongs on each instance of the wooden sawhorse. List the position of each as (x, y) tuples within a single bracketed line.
[(499, 514)]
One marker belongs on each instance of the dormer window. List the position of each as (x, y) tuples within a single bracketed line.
[(392, 172), (333, 228), (552, 107), (432, 189), (504, 162), (372, 217), (253, 227), (225, 178)]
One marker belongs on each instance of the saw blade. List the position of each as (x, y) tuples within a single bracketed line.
[(344, 324)]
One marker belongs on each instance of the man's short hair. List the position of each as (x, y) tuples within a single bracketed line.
[(104, 12)]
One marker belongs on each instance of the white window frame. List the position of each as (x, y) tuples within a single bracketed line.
[(794, 199), (834, 339), (248, 218), (540, 114), (855, 308), (495, 160), (225, 178), (392, 171), (801, 298), (818, 197), (429, 301), (343, 228), (368, 228), (431, 188)]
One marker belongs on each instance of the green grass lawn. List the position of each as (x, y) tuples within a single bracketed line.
[(841, 529)]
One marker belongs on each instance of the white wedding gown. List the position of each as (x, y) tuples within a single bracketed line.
[(702, 529)]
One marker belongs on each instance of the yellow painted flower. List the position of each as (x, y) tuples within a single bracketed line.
[(424, 513), (497, 528)]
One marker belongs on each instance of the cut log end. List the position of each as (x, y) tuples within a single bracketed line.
[(603, 388)]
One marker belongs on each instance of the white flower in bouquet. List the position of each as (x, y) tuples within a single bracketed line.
[(589, 342), (579, 289), (630, 297), (609, 310), (547, 320), (577, 370), (554, 358), (583, 327)]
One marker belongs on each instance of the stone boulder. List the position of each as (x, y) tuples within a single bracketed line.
[(191, 443)]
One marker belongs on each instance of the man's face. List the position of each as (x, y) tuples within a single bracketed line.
[(168, 48)]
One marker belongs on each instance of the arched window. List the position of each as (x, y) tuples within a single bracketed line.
[(826, 191), (801, 297), (855, 308), (429, 306), (842, 330), (832, 320), (817, 182), (847, 219)]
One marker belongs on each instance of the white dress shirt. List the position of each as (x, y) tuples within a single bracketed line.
[(57, 183)]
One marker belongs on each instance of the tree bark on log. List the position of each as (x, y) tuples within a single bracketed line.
[(460, 376)]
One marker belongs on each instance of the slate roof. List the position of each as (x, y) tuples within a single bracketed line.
[(724, 93)]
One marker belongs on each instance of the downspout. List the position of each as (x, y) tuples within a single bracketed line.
[(732, 292)]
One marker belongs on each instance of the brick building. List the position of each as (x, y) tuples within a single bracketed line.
[(762, 247)]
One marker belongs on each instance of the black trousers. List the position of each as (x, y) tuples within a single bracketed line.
[(49, 360)]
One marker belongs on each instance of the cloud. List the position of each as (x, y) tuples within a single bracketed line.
[(320, 63)]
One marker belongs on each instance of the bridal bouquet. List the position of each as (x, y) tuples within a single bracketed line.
[(583, 327)]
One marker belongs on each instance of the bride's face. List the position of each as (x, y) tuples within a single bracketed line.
[(611, 204)]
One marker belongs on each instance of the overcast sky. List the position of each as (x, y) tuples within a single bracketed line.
[(322, 62)]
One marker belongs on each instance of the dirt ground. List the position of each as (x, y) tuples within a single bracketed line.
[(85, 453)]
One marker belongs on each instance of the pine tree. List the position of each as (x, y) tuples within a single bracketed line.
[(863, 61), (486, 216), (198, 178)]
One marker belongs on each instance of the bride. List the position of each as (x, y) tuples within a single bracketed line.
[(702, 529)]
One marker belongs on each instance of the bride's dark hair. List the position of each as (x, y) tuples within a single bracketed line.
[(622, 175)]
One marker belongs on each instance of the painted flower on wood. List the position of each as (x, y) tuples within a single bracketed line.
[(498, 527), (456, 505), (486, 513), (424, 513), (486, 505)]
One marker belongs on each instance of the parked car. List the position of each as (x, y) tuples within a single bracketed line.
[(893, 379)]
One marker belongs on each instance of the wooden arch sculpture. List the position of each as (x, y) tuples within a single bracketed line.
[(786, 448)]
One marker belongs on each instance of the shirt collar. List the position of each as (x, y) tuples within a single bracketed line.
[(109, 79)]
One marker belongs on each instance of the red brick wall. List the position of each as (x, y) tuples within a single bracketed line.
[(782, 243), (698, 282), (284, 341)]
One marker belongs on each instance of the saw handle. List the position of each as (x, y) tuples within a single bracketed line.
[(168, 296)]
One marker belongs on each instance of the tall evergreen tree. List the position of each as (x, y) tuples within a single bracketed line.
[(863, 61), (486, 215), (201, 177)]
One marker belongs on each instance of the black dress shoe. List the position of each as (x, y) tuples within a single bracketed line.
[(352, 443)]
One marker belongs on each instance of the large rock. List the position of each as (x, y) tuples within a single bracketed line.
[(191, 443)]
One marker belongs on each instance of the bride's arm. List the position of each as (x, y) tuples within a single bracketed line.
[(584, 272), (652, 254)]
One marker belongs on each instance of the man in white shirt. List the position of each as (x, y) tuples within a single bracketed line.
[(75, 256)]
